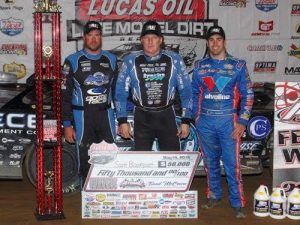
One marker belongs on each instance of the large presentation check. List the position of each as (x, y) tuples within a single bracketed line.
[(142, 171)]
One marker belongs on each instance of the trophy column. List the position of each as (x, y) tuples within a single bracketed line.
[(48, 128)]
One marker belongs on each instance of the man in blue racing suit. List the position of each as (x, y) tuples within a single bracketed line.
[(153, 76), (86, 95), (222, 104)]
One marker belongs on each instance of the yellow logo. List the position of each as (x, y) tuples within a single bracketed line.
[(295, 51), (18, 69), (100, 197)]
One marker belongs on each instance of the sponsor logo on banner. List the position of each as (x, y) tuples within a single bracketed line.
[(295, 51), (264, 67), (236, 3), (297, 32), (122, 21), (135, 9), (290, 114), (11, 26), (9, 2), (270, 48), (295, 10), (10, 5), (18, 69), (265, 28), (266, 5), (259, 127), (13, 49), (292, 70), (185, 17)]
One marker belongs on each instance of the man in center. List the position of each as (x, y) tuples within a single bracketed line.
[(153, 75)]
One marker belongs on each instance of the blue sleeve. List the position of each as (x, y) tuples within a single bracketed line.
[(197, 90), (122, 91), (185, 89), (246, 93)]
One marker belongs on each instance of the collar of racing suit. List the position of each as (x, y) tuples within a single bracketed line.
[(91, 56), (153, 58), (219, 60)]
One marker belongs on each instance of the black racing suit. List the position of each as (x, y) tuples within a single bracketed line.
[(86, 100), (153, 82)]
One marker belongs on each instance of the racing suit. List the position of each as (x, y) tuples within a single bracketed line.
[(153, 82), (222, 96), (86, 100)]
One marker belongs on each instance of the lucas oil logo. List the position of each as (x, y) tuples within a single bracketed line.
[(259, 127)]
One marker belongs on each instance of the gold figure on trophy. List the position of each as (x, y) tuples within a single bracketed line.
[(46, 6), (49, 183)]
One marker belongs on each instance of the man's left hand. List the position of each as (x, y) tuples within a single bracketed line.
[(184, 130), (238, 131)]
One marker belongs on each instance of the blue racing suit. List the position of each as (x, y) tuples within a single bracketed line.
[(153, 82), (222, 96), (86, 100)]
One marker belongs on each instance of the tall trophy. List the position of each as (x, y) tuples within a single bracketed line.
[(48, 129)]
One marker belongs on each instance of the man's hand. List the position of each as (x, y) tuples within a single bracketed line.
[(184, 130), (70, 134), (238, 131), (124, 130)]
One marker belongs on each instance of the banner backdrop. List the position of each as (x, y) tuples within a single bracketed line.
[(266, 33)]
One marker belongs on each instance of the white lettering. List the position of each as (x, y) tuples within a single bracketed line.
[(107, 10), (1, 119), (150, 7), (92, 11), (119, 9), (167, 10), (31, 121), (217, 97), (183, 28), (10, 120), (136, 8), (96, 99)]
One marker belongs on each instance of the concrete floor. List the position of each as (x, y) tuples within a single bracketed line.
[(17, 203)]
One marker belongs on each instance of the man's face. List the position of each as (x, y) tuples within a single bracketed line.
[(216, 46), (93, 41), (151, 44)]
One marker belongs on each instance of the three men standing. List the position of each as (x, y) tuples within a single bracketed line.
[(220, 100)]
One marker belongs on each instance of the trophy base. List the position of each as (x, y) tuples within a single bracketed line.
[(54, 216)]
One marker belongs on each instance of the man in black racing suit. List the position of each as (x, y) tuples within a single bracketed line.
[(86, 95), (153, 76)]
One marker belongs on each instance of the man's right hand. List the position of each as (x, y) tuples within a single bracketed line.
[(70, 134), (124, 131)]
